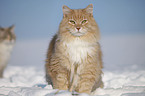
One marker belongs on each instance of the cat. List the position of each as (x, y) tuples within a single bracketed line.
[(7, 41), (74, 57)]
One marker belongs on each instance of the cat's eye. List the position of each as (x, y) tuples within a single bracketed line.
[(72, 22), (84, 21)]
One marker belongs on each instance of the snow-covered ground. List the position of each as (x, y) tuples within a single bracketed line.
[(23, 81), (124, 69)]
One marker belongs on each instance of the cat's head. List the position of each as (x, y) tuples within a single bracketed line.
[(7, 34), (79, 22)]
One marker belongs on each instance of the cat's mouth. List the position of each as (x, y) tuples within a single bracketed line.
[(78, 33)]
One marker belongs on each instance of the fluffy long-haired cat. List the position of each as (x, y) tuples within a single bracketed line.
[(7, 40), (74, 58)]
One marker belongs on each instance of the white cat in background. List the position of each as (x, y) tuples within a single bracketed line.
[(7, 41)]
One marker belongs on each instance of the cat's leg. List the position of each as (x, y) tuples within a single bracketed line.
[(59, 76), (88, 79), (74, 77), (1, 73), (61, 80), (2, 67), (73, 83), (98, 84)]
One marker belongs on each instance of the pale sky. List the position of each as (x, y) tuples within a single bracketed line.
[(40, 18)]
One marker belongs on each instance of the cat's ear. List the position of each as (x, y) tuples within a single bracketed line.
[(89, 9), (11, 28), (66, 10)]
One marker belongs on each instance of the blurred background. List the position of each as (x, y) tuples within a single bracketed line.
[(121, 23)]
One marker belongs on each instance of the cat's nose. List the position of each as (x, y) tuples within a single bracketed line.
[(78, 28)]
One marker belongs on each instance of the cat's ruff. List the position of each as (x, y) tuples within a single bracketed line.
[(78, 50)]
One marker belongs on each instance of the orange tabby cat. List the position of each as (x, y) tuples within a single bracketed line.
[(74, 58)]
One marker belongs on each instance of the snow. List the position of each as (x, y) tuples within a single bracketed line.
[(124, 73), (23, 81)]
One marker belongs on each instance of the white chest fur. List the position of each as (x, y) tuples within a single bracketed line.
[(5, 51), (78, 50)]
